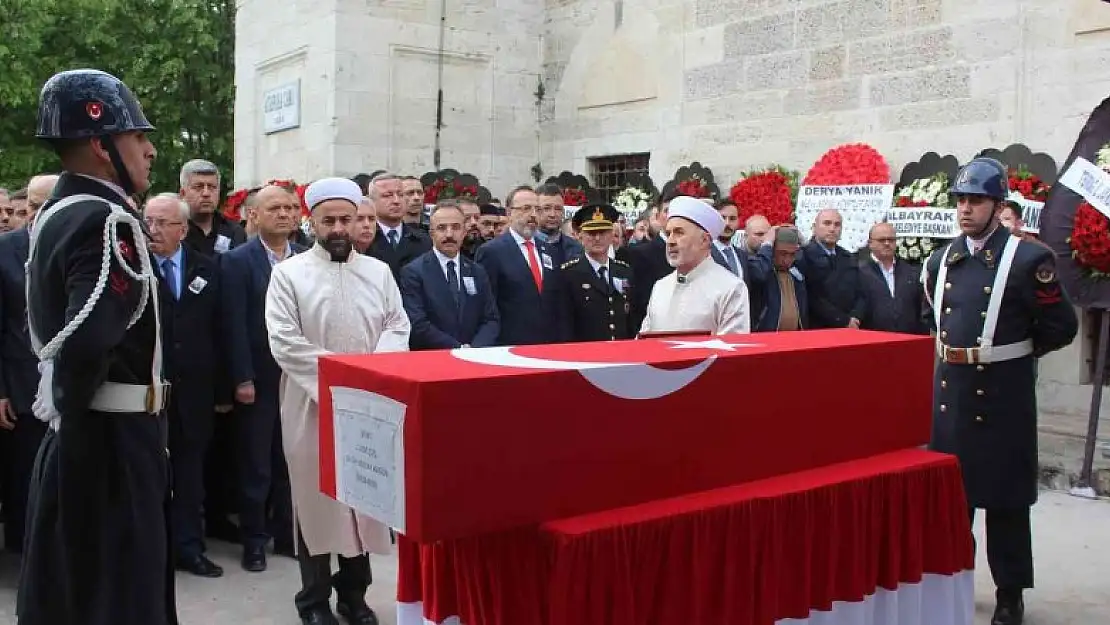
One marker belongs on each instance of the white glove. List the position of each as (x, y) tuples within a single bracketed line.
[(43, 406)]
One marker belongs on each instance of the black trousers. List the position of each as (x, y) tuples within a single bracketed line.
[(21, 445), (188, 444), (1009, 548), (317, 581), (221, 483), (266, 505)]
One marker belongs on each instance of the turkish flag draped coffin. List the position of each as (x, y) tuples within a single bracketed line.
[(445, 444)]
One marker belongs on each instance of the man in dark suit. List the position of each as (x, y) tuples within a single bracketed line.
[(734, 258), (447, 296), (521, 272), (648, 261), (781, 286), (550, 220), (397, 243), (832, 276), (245, 276), (594, 289), (19, 374), (891, 288), (193, 364), (209, 231)]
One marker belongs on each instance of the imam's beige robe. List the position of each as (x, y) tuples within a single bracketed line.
[(316, 307), (710, 298)]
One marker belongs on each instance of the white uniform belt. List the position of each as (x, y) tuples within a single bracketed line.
[(984, 355), (116, 397)]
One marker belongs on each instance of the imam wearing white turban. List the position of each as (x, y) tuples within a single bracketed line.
[(700, 295), (329, 300)]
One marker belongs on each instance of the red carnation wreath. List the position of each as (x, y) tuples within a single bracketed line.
[(447, 188), (233, 204), (1090, 234), (856, 163), (574, 197), (693, 187), (1028, 184), (766, 193)]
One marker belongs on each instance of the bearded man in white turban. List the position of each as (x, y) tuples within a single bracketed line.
[(329, 300), (700, 295)]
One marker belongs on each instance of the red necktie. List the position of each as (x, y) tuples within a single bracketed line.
[(534, 264)]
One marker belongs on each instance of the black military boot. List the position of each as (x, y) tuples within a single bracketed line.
[(1009, 608)]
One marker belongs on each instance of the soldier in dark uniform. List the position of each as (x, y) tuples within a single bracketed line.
[(96, 551), (594, 289), (996, 304)]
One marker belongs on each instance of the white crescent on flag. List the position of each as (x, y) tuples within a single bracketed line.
[(626, 380)]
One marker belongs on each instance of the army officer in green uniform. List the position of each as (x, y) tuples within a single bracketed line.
[(594, 289)]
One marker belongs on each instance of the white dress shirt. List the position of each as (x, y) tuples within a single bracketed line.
[(888, 275), (543, 259), (729, 253), (443, 266)]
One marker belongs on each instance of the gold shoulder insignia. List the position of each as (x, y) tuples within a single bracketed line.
[(570, 262), (617, 261)]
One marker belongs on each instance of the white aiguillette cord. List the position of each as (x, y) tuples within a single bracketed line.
[(44, 400)]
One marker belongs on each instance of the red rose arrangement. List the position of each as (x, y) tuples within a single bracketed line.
[(856, 163), (574, 197), (447, 188), (1090, 232), (1090, 240), (768, 192), (1028, 184), (694, 187)]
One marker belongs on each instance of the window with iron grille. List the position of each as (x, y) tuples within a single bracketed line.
[(611, 174)]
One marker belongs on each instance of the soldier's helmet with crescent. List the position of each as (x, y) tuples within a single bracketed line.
[(84, 103)]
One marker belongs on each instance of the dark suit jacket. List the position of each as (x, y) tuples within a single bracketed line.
[(648, 261), (564, 249), (528, 317), (413, 242), (193, 346), (755, 299), (833, 286), (766, 283), (900, 312), (19, 373), (245, 273), (437, 323), (221, 227)]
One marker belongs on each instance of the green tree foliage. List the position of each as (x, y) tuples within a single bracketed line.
[(178, 56)]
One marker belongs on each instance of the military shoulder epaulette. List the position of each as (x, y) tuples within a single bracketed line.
[(570, 262), (617, 261)]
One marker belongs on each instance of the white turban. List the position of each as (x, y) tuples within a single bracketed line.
[(699, 212), (332, 189)]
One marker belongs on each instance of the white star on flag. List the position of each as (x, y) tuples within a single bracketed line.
[(710, 344)]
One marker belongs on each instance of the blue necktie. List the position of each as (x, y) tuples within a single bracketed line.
[(392, 236), (170, 275)]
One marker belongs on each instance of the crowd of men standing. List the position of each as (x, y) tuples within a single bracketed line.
[(470, 275)]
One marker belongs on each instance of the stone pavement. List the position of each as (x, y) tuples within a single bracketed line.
[(1071, 543)]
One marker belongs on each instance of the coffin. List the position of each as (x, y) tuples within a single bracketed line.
[(447, 444)]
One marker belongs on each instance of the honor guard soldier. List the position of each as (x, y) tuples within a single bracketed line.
[(97, 550), (996, 304), (595, 289)]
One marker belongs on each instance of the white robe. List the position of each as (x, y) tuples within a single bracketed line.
[(316, 307), (711, 298)]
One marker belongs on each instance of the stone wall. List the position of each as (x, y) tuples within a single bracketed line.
[(370, 72)]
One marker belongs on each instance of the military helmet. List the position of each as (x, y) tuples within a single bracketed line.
[(83, 103), (982, 176)]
